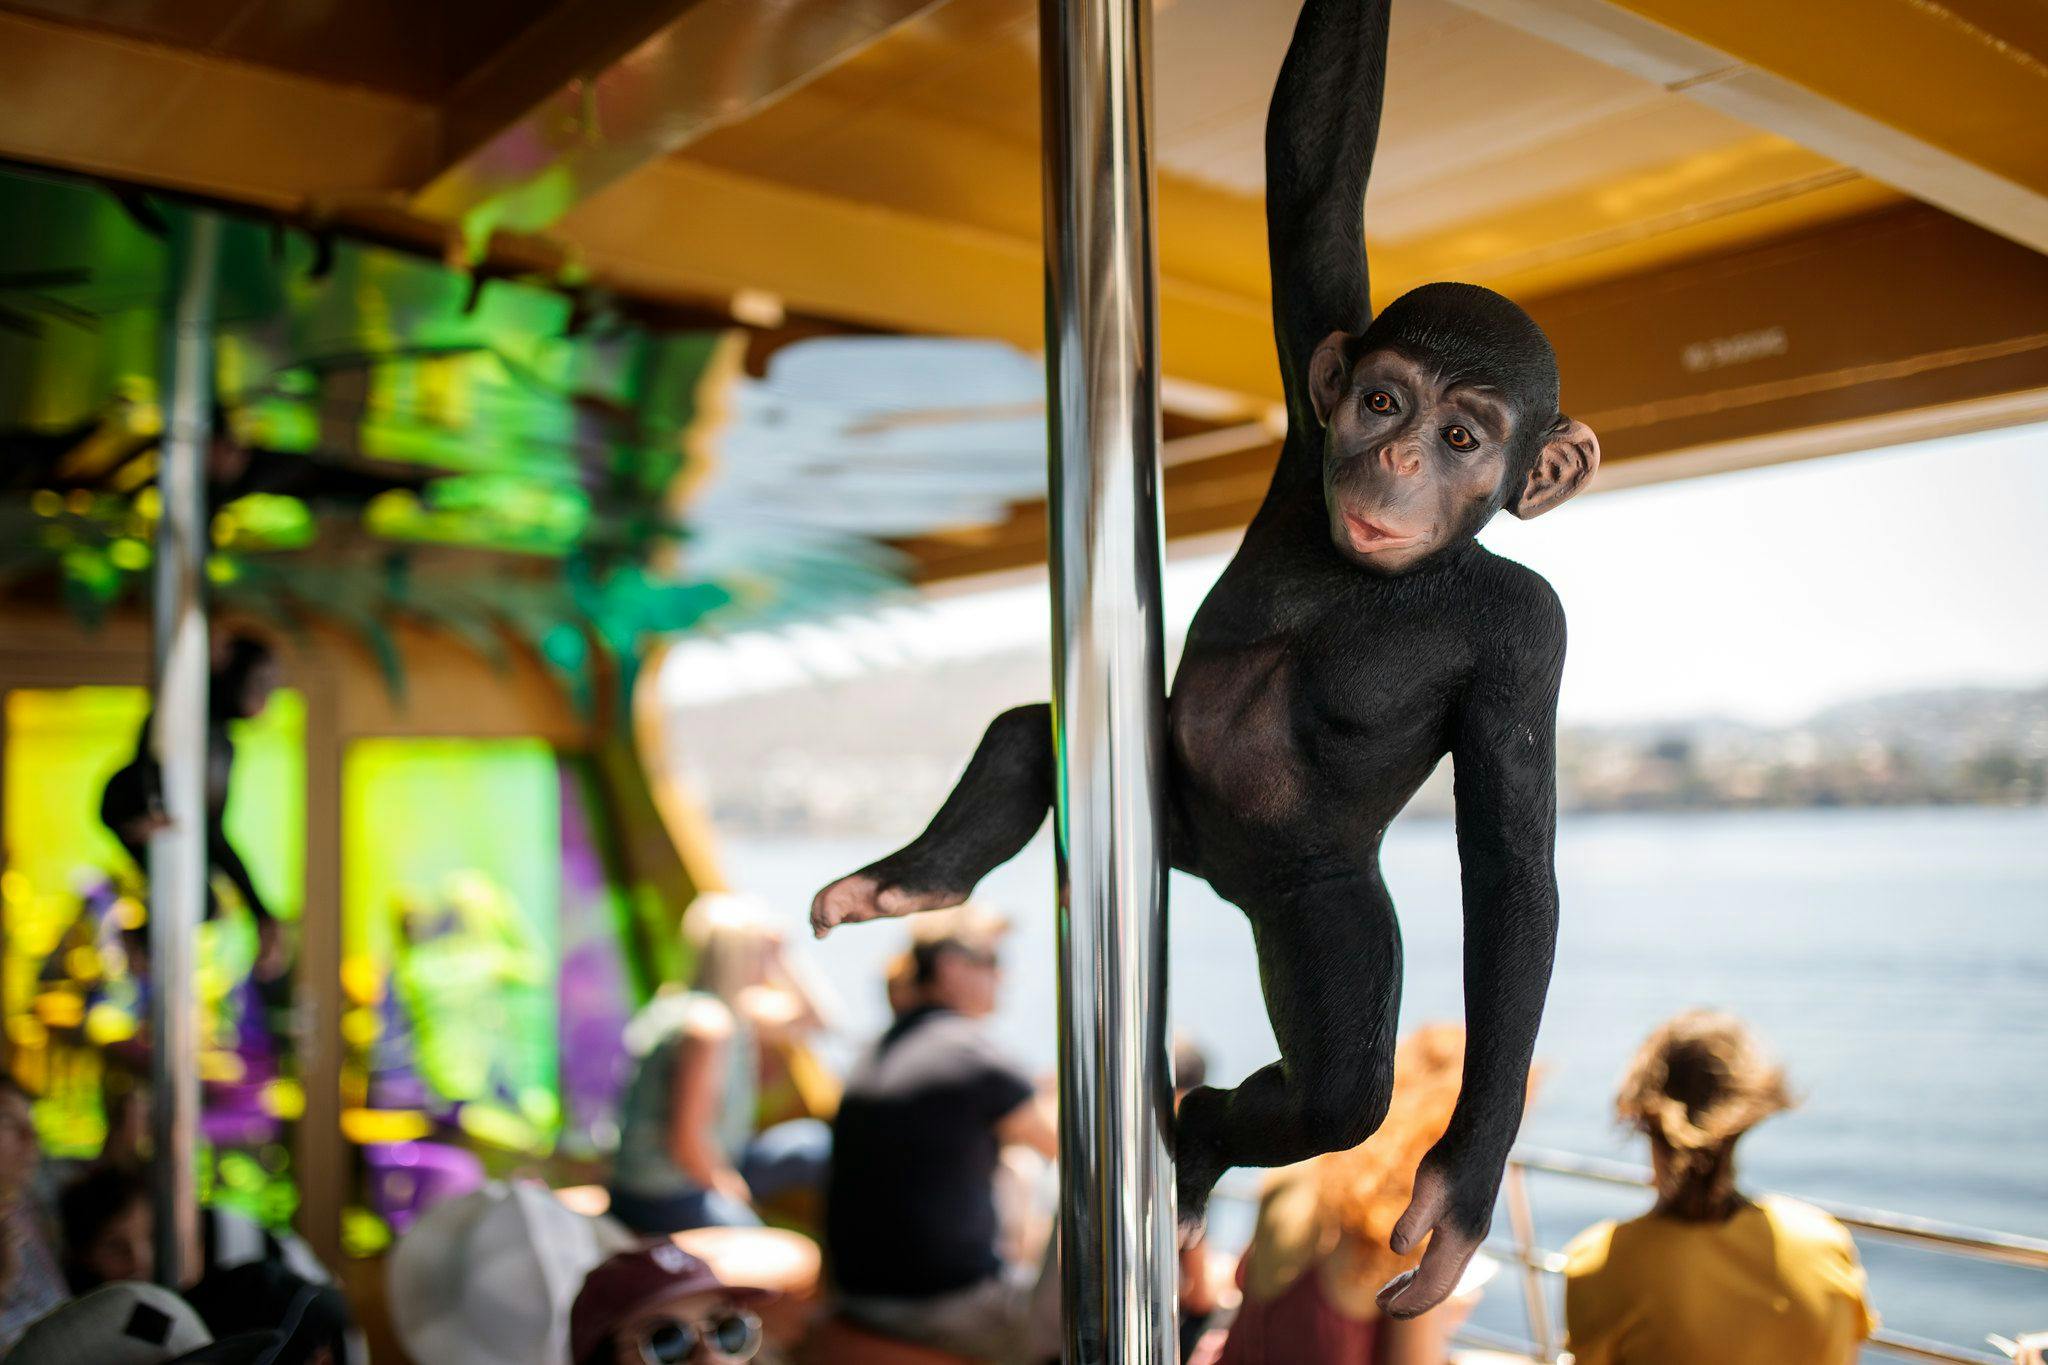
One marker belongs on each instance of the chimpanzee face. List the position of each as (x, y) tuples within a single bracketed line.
[(1421, 449), (1413, 462)]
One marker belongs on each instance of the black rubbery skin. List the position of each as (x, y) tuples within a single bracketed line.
[(1312, 700)]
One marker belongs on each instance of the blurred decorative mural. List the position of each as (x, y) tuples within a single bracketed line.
[(500, 458), (517, 463), (486, 972)]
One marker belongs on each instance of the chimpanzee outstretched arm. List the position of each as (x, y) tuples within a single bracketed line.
[(1504, 753), (1321, 130), (995, 808)]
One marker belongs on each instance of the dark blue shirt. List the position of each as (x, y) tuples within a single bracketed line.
[(910, 1206)]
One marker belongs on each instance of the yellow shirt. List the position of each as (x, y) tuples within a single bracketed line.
[(1777, 1284)]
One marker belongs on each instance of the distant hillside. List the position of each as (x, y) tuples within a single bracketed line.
[(876, 753)]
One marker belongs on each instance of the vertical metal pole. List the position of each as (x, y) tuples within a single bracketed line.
[(177, 854), (1119, 1271), (1524, 1224)]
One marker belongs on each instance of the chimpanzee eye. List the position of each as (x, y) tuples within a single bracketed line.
[(1380, 401), (1460, 438)]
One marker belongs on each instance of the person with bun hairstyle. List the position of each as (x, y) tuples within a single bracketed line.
[(1710, 1274)]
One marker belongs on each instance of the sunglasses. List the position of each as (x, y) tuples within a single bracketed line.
[(731, 1337)]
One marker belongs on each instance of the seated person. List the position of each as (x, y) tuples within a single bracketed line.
[(108, 1228), (1318, 1259), (911, 1229), (108, 1225), (662, 1306), (1708, 1274), (129, 1323), (29, 1283), (688, 1153)]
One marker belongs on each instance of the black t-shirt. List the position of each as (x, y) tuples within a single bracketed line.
[(910, 1206)]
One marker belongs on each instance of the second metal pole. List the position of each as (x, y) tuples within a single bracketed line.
[(1119, 1269), (177, 854)]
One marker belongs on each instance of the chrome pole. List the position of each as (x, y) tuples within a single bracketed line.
[(1119, 1272), (177, 854)]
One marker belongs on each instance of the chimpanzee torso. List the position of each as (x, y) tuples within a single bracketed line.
[(1312, 700)]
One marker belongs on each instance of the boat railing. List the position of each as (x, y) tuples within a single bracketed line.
[(1546, 1338)]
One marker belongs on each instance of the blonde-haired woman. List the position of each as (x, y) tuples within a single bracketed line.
[(688, 1153), (1319, 1254), (1708, 1274)]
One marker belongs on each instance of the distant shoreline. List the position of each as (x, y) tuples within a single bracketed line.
[(874, 758), (727, 827)]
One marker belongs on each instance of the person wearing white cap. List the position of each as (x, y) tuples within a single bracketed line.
[(489, 1278), (131, 1323)]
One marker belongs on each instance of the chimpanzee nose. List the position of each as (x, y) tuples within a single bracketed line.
[(1400, 458)]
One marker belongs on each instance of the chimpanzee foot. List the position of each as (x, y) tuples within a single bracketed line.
[(1195, 1177), (1191, 1218), (860, 896)]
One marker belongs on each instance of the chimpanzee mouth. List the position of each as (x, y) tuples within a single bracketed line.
[(1369, 537)]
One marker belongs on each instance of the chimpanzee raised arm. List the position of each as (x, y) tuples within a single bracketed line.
[(1359, 634)]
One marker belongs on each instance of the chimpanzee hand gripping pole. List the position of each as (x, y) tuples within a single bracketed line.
[(1118, 1269)]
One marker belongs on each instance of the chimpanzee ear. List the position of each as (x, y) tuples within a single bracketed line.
[(1329, 374), (1570, 454)]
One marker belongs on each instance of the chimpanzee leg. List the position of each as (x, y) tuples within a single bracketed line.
[(1330, 966), (998, 804)]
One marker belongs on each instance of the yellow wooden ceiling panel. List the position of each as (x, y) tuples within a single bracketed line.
[(1937, 69), (1669, 144), (1504, 156)]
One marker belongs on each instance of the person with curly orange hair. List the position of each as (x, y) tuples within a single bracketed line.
[(1709, 1274), (1319, 1254)]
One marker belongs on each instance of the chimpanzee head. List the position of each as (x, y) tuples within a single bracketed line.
[(1440, 414)]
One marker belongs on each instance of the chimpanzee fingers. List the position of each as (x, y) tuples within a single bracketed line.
[(846, 901), (1432, 1198), (895, 900), (1417, 1291), (860, 896)]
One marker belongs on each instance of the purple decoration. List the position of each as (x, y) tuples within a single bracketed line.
[(408, 1178), (593, 1000)]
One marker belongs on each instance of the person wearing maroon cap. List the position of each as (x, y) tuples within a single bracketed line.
[(660, 1305)]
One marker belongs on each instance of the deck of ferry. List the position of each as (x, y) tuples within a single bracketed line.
[(1752, 236)]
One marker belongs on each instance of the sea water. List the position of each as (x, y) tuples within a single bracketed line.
[(1896, 962)]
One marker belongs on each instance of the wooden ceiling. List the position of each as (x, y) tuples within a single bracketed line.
[(1673, 168)]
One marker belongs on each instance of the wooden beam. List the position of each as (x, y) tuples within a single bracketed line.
[(546, 60), (590, 94), (677, 227), (1942, 101), (89, 101)]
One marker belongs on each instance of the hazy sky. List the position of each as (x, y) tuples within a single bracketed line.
[(1767, 593), (1762, 594)]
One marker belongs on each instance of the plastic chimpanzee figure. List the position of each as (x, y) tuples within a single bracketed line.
[(245, 674), (1359, 635)]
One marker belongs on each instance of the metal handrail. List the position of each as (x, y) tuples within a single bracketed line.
[(1535, 1262), (1981, 1243)]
